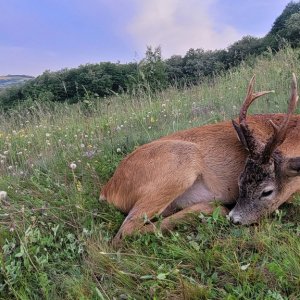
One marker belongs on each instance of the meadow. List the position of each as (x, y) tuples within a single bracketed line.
[(55, 234)]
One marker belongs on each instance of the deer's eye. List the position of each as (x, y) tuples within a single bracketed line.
[(266, 193)]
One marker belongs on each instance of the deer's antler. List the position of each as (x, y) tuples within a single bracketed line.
[(250, 97), (280, 132), (244, 133)]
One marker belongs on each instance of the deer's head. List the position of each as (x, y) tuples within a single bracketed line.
[(265, 182)]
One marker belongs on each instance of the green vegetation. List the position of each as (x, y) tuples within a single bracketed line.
[(94, 81), (55, 234)]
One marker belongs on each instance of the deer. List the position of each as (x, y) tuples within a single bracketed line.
[(251, 164)]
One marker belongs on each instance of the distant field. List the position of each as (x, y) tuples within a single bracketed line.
[(10, 80), (55, 234)]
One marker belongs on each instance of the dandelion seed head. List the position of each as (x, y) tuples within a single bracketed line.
[(73, 166), (3, 195)]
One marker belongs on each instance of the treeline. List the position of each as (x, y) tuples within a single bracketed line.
[(92, 81)]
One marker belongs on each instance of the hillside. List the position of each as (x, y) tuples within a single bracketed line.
[(10, 80), (97, 81), (55, 234)]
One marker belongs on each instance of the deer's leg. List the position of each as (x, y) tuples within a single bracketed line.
[(145, 209), (182, 217), (153, 202), (175, 176)]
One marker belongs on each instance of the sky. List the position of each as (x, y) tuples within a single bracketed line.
[(39, 35)]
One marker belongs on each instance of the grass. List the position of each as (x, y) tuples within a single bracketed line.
[(55, 234)]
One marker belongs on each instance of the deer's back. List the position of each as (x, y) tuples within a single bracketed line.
[(213, 151)]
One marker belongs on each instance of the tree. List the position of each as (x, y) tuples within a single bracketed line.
[(199, 64), (174, 69), (243, 48), (285, 28), (153, 69)]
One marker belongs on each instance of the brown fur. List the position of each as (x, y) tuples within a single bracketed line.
[(147, 181)]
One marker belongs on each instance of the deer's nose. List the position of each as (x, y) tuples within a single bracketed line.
[(235, 218)]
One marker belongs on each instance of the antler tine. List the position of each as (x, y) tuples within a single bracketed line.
[(280, 132), (244, 133), (247, 101), (250, 97), (294, 96)]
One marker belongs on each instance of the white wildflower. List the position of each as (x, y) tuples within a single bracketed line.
[(244, 267), (73, 166), (3, 195)]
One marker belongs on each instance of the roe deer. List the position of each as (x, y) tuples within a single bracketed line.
[(253, 162)]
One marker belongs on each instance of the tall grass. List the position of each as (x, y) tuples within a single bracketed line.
[(55, 234)]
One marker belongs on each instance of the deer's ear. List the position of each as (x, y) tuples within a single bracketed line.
[(292, 166), (240, 134)]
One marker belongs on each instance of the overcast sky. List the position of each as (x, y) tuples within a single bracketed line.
[(39, 35)]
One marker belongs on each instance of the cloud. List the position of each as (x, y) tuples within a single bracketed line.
[(178, 25)]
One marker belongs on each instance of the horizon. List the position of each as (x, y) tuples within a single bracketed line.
[(56, 35)]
